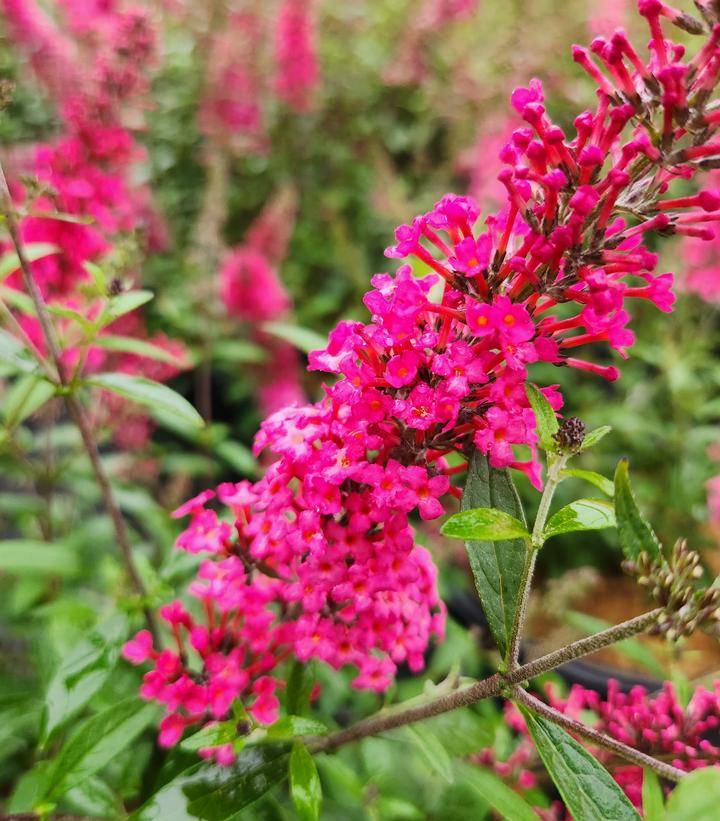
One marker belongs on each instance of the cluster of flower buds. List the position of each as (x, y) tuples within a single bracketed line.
[(659, 725), (675, 585), (570, 435)]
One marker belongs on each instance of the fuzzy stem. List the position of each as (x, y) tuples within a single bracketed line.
[(664, 770), (75, 409), (493, 686), (553, 480)]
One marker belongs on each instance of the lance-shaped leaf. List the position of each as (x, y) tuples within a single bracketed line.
[(486, 524), (303, 339), (149, 393), (696, 797), (634, 530), (586, 787), (498, 567), (305, 785), (545, 418), (583, 514), (95, 743), (607, 486), (652, 797), (14, 355), (594, 437)]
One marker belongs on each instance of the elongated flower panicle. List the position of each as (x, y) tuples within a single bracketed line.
[(440, 369), (297, 71)]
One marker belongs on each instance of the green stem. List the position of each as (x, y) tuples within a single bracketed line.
[(553, 480)]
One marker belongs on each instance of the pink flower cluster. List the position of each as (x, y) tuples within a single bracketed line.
[(287, 575), (295, 54), (94, 67), (230, 110), (701, 262), (253, 292), (440, 368), (658, 725)]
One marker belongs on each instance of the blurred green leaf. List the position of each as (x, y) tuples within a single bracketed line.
[(634, 531), (30, 556), (95, 742), (148, 393), (10, 262), (123, 304), (82, 673), (303, 339), (26, 395), (607, 486), (15, 354), (498, 795), (305, 785), (696, 797), (653, 804), (583, 514), (139, 347), (431, 750)]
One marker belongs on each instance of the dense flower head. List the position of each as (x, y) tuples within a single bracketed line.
[(659, 725), (354, 590)]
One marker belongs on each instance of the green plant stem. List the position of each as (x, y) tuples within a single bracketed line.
[(577, 728), (553, 480), (75, 408), (495, 685)]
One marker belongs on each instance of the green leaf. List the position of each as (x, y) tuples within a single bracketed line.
[(586, 787), (486, 524), (15, 354), (498, 567), (505, 801), (212, 735), (73, 315), (431, 750), (305, 785), (123, 304), (34, 557), (634, 530), (94, 799), (139, 347), (149, 393), (292, 726), (303, 339), (594, 437), (583, 514), (461, 732), (239, 457), (98, 277), (238, 350), (82, 673), (218, 793), (10, 262), (607, 486), (17, 299), (545, 418), (95, 742), (299, 687), (696, 797), (652, 797), (27, 394)]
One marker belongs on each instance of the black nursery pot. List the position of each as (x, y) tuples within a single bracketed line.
[(466, 609)]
